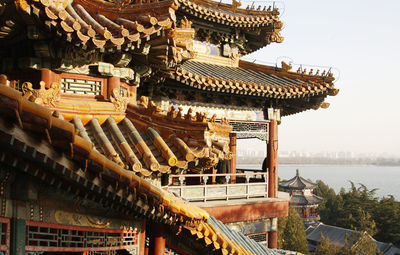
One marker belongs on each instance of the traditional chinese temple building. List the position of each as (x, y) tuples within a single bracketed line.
[(302, 197), (119, 122)]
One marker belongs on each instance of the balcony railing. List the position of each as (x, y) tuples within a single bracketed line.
[(209, 187)]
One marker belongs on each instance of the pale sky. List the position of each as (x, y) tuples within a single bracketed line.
[(361, 39)]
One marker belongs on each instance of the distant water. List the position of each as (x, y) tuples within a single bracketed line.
[(385, 178)]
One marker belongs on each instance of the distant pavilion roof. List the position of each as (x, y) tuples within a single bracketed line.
[(298, 182), (338, 235), (305, 200)]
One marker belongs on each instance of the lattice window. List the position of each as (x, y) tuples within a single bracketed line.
[(247, 130), (259, 238), (3, 234), (67, 238), (242, 126), (78, 86), (102, 253)]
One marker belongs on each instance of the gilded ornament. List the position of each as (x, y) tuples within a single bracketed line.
[(153, 108), (286, 67), (144, 101), (224, 121), (179, 115), (185, 23), (213, 118), (189, 114), (120, 102), (236, 4), (42, 96)]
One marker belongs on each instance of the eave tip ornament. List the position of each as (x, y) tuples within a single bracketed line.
[(325, 105)]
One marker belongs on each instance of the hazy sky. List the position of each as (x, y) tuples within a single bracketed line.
[(361, 39)]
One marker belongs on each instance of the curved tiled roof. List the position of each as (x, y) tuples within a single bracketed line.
[(246, 243), (298, 182), (140, 147), (270, 83), (305, 200), (219, 23), (31, 119), (227, 14), (83, 24)]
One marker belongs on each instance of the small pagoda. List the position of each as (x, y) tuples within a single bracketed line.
[(302, 197)]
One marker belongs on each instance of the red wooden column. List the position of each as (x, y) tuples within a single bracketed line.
[(232, 143), (272, 156), (142, 239), (113, 83), (157, 244)]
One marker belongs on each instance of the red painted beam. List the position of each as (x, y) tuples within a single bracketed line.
[(247, 212)]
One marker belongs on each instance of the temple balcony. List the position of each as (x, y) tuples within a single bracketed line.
[(231, 197)]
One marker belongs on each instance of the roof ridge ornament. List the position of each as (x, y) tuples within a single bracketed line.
[(185, 23), (120, 101), (42, 96), (236, 4)]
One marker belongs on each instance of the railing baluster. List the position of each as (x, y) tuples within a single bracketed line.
[(205, 179), (227, 179), (181, 180)]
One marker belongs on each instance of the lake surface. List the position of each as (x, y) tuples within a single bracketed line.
[(385, 178)]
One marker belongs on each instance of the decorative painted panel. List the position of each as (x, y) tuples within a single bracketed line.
[(56, 237)]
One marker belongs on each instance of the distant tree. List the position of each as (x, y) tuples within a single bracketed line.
[(281, 228), (363, 244), (331, 208), (360, 209), (387, 218), (294, 235), (325, 247)]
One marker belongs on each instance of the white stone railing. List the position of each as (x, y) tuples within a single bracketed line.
[(209, 187)]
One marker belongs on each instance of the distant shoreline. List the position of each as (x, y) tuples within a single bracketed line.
[(323, 161)]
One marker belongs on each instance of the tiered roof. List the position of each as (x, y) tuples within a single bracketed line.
[(299, 183)]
